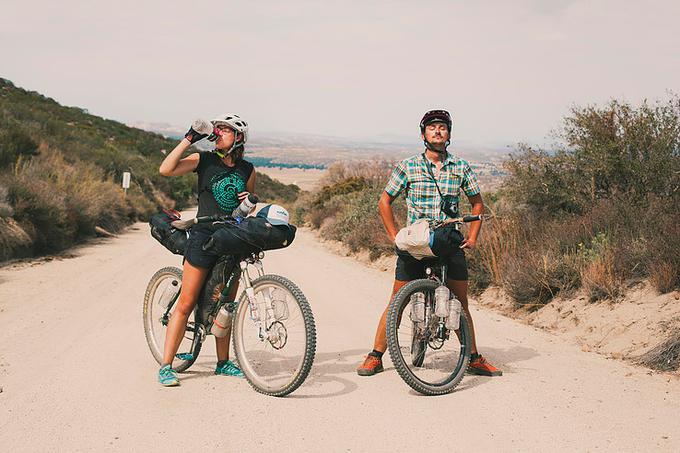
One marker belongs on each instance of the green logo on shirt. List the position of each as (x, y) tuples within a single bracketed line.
[(225, 188)]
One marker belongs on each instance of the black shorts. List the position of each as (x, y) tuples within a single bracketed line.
[(194, 252), (409, 268)]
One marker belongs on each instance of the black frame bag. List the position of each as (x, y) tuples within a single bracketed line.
[(252, 235), (171, 238)]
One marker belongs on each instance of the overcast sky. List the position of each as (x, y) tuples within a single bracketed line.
[(507, 70)]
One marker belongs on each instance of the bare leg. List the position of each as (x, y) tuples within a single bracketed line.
[(380, 343), (192, 281), (460, 289), (222, 344)]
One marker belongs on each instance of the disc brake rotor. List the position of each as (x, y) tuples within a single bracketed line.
[(278, 335)]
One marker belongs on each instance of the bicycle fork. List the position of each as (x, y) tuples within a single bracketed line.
[(256, 308)]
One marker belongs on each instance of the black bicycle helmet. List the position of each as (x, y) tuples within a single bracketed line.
[(434, 116)]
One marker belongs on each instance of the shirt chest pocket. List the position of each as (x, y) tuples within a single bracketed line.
[(450, 182), (422, 185)]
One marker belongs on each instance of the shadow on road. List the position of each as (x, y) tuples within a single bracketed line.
[(327, 367), (506, 358), (501, 358)]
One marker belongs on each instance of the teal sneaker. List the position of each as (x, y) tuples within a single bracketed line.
[(167, 376), (185, 356), (227, 368)]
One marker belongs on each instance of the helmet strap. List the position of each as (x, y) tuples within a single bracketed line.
[(222, 154), (431, 147)]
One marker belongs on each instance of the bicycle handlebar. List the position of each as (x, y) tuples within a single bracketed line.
[(464, 219), (472, 218), (186, 224)]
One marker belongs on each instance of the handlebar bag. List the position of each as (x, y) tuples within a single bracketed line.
[(253, 234), (421, 242), (171, 238), (415, 239)]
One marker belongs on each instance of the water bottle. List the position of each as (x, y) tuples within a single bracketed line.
[(247, 205), (441, 301), (222, 323), (169, 293), (418, 307), (453, 323), (203, 127)]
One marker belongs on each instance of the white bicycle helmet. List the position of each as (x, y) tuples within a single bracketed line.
[(235, 122)]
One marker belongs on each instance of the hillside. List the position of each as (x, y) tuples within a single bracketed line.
[(61, 170)]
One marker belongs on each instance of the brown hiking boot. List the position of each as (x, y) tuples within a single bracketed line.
[(371, 366), (483, 368)]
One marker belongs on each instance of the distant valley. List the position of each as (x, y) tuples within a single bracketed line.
[(308, 151)]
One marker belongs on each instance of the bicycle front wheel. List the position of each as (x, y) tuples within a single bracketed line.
[(274, 336), (430, 358)]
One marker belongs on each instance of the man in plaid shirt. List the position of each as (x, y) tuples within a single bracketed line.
[(425, 199)]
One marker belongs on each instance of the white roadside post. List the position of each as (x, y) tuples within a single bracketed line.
[(126, 181)]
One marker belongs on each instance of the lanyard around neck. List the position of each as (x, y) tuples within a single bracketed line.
[(429, 170)]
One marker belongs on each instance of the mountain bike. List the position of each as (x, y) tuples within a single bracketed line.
[(428, 335), (273, 329)]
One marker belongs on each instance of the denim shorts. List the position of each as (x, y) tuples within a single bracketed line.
[(409, 268), (194, 252)]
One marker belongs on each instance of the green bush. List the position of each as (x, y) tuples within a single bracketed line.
[(15, 142), (273, 191)]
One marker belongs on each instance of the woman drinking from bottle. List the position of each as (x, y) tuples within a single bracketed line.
[(224, 180)]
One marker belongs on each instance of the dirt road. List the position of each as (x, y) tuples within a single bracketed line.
[(76, 374)]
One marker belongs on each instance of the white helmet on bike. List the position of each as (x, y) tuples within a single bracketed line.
[(235, 122)]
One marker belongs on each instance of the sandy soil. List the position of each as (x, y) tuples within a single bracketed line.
[(624, 329), (76, 374), (305, 179)]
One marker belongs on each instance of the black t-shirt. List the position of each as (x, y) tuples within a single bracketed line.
[(219, 185)]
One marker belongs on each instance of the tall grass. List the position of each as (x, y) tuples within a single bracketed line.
[(56, 203)]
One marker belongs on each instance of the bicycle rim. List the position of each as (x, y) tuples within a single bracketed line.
[(429, 360), (155, 321), (278, 364)]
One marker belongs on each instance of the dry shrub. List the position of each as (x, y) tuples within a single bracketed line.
[(664, 277), (534, 277), (357, 224), (665, 357), (57, 202), (600, 280), (346, 207), (371, 171), (535, 256), (13, 239), (6, 209), (500, 239)]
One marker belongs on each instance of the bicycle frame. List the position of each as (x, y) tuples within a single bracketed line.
[(239, 271)]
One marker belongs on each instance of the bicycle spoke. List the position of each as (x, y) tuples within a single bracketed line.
[(428, 356), (273, 365)]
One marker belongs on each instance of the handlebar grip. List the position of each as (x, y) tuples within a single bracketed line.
[(183, 224), (472, 218)]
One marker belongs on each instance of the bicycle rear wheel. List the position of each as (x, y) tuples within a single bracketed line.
[(277, 358), (430, 359), (156, 317)]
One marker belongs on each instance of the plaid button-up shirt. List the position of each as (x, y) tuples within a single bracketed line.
[(422, 198)]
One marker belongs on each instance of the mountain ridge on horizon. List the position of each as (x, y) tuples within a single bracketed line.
[(384, 146)]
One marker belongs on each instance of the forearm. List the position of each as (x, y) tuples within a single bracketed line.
[(475, 227), (387, 217), (171, 161)]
